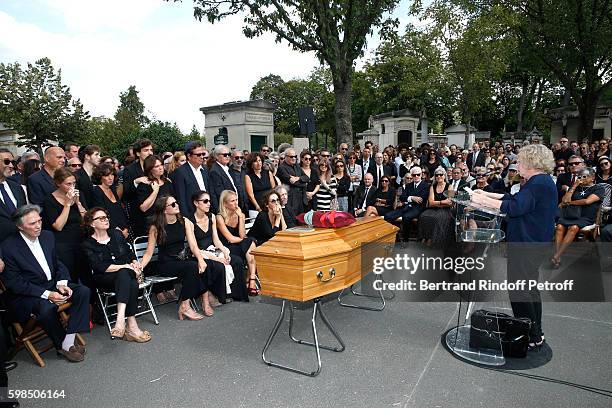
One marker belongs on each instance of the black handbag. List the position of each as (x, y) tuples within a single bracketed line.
[(571, 212), (491, 330)]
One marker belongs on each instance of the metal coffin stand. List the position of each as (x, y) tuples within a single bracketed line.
[(316, 310), (380, 297)]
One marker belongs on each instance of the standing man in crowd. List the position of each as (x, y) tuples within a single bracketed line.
[(90, 157), (221, 179), (191, 177), (71, 150), (290, 173), (564, 152), (238, 172), (134, 175), (40, 184), (343, 150), (265, 150), (476, 158), (74, 164), (366, 161)]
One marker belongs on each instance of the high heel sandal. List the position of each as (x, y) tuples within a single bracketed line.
[(555, 263), (253, 291), (143, 338), (190, 314)]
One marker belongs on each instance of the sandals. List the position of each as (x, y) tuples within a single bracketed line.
[(555, 263), (190, 314), (143, 338), (117, 333), (253, 291)]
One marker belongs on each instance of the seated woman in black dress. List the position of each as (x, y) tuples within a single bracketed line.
[(269, 221), (62, 211), (157, 185), (579, 208), (257, 181), (384, 199), (114, 269), (230, 225), (167, 231), (436, 223), (214, 252), (105, 196)]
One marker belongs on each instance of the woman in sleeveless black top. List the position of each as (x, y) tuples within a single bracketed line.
[(232, 232), (146, 194), (257, 181), (167, 231), (437, 223), (105, 196), (205, 232)]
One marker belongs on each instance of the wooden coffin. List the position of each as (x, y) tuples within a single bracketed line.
[(301, 265)]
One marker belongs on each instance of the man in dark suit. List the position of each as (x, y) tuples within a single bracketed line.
[(413, 202), (476, 158), (291, 174), (41, 184), (221, 179), (364, 196), (457, 183), (365, 162), (38, 283), (12, 197), (191, 177), (565, 181)]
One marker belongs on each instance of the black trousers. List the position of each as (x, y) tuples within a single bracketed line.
[(523, 264), (124, 284), (213, 279), (3, 358), (238, 286), (408, 213), (187, 271), (47, 317)]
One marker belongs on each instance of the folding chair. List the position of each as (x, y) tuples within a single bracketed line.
[(590, 232), (109, 304)]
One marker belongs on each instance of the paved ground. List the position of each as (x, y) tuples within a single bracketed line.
[(393, 358)]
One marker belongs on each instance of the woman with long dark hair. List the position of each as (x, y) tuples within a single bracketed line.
[(313, 177), (213, 250), (269, 221), (105, 195), (167, 231), (384, 199), (257, 180), (157, 185), (603, 173), (114, 269)]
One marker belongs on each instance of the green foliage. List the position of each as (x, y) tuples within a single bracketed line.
[(335, 30), (280, 138), (130, 115), (35, 103)]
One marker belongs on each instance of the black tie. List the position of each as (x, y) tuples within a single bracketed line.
[(365, 197), (10, 206)]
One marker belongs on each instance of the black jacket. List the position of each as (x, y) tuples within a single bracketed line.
[(7, 227)]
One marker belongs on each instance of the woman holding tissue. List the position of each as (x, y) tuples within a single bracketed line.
[(530, 215)]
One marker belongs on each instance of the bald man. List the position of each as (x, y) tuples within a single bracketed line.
[(40, 184)]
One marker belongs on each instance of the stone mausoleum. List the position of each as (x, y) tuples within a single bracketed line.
[(247, 124)]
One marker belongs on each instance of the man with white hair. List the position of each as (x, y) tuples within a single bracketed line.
[(413, 201), (290, 173), (222, 179)]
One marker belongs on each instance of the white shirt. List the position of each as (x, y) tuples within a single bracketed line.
[(198, 175), (9, 192), (365, 198), (380, 172), (455, 184), (226, 170), (39, 255)]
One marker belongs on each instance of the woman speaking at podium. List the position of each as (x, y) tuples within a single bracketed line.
[(530, 215)]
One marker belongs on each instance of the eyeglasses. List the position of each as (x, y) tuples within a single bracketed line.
[(339, 165), (384, 181), (439, 175), (224, 154), (273, 201), (102, 218), (200, 155), (344, 149), (416, 174), (75, 165), (352, 158), (582, 177), (173, 205), (265, 150), (292, 157), (9, 161), (574, 163), (204, 200), (326, 155), (306, 158)]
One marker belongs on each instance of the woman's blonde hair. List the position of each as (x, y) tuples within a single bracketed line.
[(537, 157), (225, 196), (174, 163)]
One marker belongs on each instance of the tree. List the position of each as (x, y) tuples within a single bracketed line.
[(335, 30), (130, 115), (36, 104)]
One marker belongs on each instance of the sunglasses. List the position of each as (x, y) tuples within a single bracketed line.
[(384, 181), (416, 174), (574, 163), (265, 150), (224, 154), (582, 177), (344, 149), (604, 163), (238, 158), (306, 158), (101, 218), (75, 165), (173, 205), (204, 200), (200, 155), (273, 201), (9, 161), (339, 165), (439, 175), (326, 155), (292, 157)]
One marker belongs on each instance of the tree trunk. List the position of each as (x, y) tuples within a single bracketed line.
[(538, 101), (521, 109), (587, 110), (343, 92)]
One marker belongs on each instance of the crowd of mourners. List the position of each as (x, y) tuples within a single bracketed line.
[(67, 219)]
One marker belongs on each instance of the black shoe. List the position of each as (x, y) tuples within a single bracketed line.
[(9, 365)]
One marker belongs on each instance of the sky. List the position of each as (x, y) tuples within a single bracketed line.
[(176, 63)]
